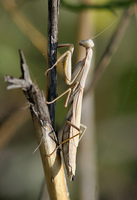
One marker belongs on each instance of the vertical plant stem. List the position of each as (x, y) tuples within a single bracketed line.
[(53, 11), (87, 160)]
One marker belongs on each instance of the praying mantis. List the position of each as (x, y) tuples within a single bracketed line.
[(73, 129)]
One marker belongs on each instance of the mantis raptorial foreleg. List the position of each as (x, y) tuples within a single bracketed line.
[(69, 76), (67, 63), (76, 80)]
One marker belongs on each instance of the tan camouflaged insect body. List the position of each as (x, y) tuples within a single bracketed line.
[(69, 148), (73, 129)]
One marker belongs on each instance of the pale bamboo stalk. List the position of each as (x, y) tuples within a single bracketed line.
[(87, 147)]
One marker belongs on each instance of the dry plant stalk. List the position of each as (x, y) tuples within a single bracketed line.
[(87, 155), (52, 165)]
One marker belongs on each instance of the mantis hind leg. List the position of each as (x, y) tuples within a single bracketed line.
[(81, 130)]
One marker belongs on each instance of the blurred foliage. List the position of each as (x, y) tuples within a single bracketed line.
[(115, 104)]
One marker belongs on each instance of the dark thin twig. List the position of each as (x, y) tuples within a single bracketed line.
[(53, 11), (111, 49), (111, 5)]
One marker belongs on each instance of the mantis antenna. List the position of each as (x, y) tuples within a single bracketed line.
[(104, 30)]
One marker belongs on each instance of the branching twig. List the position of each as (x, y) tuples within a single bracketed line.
[(52, 165), (45, 134), (111, 5)]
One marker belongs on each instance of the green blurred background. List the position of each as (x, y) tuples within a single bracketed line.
[(21, 172)]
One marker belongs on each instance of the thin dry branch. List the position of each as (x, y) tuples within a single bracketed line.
[(53, 168), (53, 11), (40, 42)]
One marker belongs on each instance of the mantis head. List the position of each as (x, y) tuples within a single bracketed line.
[(87, 43)]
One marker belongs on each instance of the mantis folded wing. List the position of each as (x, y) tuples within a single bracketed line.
[(73, 129)]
